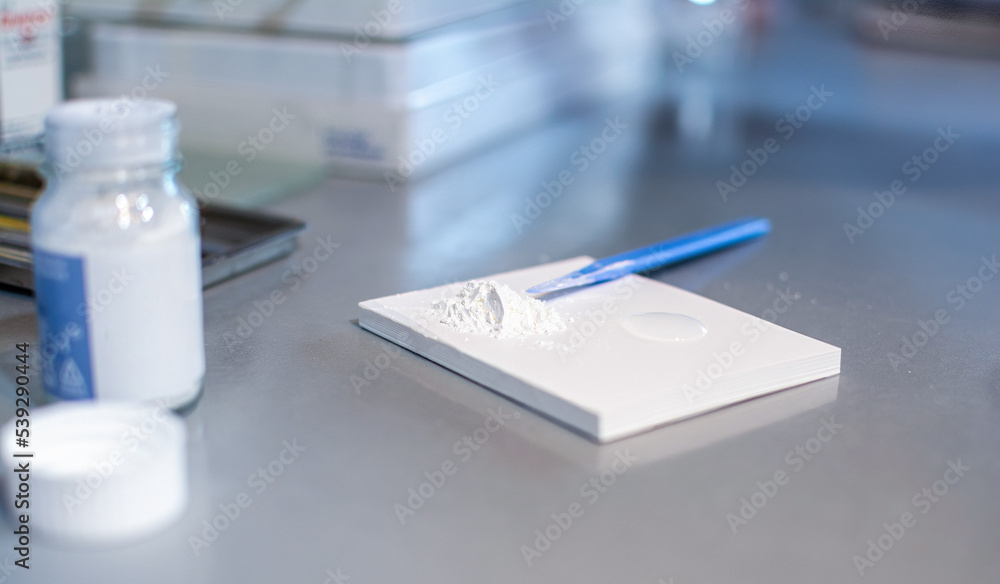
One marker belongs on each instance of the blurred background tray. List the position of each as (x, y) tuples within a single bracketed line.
[(233, 241)]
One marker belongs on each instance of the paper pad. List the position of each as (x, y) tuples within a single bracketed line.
[(598, 377)]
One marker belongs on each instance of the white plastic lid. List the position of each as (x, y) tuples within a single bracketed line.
[(110, 132), (99, 473)]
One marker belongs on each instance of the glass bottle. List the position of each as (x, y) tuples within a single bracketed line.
[(117, 254)]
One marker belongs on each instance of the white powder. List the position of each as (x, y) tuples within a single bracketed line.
[(496, 310)]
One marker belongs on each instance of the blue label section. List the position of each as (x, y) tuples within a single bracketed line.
[(62, 325)]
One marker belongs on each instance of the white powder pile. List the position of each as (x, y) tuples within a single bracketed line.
[(494, 309)]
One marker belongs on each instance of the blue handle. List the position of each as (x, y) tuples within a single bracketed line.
[(686, 246), (659, 254)]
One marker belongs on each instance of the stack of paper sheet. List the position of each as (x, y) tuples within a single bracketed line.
[(597, 376)]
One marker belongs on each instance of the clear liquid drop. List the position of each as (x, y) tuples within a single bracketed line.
[(664, 326)]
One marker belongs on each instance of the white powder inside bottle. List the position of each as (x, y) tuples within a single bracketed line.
[(496, 310)]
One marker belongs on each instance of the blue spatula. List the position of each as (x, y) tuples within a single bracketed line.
[(659, 254)]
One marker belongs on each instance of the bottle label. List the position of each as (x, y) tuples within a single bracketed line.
[(62, 323)]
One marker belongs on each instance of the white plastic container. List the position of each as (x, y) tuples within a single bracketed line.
[(358, 21), (117, 249), (377, 112), (30, 69), (98, 474)]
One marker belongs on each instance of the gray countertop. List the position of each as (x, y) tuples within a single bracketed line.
[(341, 442)]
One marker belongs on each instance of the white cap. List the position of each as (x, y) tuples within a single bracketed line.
[(110, 132), (99, 473)]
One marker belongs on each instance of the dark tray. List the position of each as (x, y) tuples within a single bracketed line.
[(233, 241)]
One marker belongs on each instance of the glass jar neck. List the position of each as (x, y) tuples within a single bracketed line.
[(113, 175)]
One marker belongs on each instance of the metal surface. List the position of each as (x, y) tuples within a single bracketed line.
[(354, 459)]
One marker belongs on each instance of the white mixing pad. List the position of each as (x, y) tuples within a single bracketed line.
[(632, 357)]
